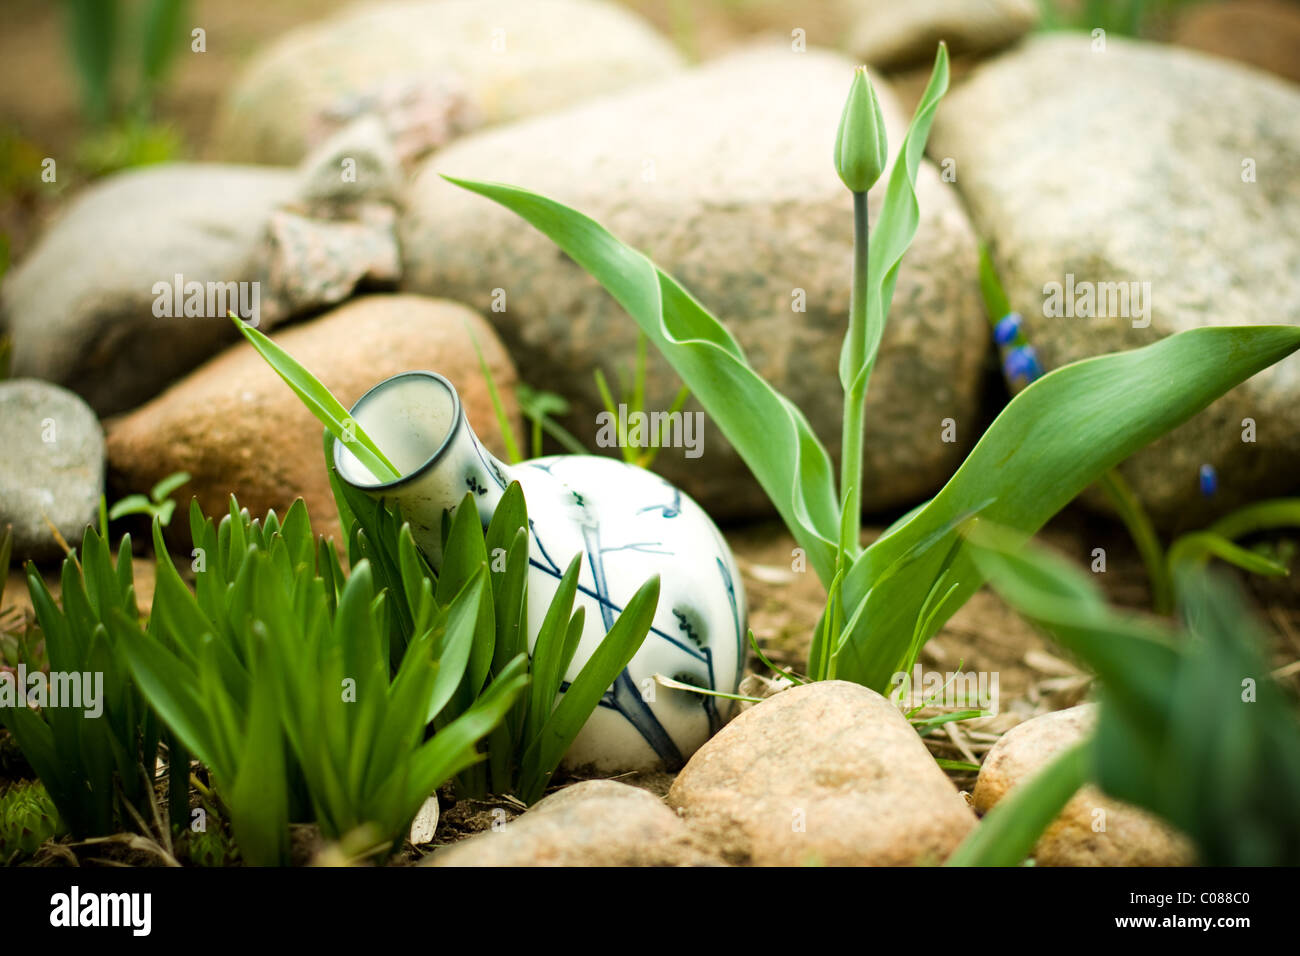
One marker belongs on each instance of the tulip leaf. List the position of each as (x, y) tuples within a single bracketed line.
[(900, 215), (319, 400), (1049, 443), (767, 429)]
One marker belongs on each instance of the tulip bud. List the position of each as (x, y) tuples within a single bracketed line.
[(861, 148)]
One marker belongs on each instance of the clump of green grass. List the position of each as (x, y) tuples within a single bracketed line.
[(1191, 727), (97, 767), (275, 673), (524, 751)]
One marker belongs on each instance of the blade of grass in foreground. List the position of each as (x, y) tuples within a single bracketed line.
[(1008, 832), (321, 403)]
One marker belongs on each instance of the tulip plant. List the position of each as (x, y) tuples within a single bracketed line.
[(1051, 441)]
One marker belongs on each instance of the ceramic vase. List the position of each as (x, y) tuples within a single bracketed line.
[(626, 522)]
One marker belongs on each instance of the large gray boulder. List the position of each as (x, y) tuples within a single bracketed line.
[(129, 289), (1170, 172), (724, 176), (80, 308), (828, 773)]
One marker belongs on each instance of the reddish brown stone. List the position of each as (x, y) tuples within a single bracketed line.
[(236, 427)]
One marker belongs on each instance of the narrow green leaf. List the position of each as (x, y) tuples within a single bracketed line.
[(608, 661), (321, 403), (503, 420), (130, 505), (259, 802), (164, 488), (1008, 832), (1201, 545), (899, 217), (548, 650)]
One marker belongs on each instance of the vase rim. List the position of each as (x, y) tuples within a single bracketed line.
[(458, 416)]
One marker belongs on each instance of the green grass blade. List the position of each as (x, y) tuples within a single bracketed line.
[(170, 688), (321, 403), (92, 31), (161, 36), (453, 747), (619, 646), (1143, 532), (1218, 539), (1201, 545), (1008, 832), (548, 650), (1260, 516), (164, 488), (538, 406), (259, 801), (456, 647), (503, 420)]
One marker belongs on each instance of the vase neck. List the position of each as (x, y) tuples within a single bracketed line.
[(417, 420)]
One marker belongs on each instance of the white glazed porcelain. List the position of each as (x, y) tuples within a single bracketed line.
[(627, 522)]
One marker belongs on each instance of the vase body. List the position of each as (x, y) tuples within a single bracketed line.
[(627, 523)]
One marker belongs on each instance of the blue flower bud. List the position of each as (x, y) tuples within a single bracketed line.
[(1021, 365), (1209, 481), (1008, 327)]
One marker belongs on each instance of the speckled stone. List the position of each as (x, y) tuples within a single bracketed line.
[(432, 70), (1093, 829), (51, 466), (724, 176), (237, 428), (594, 823), (1127, 165), (828, 773)]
